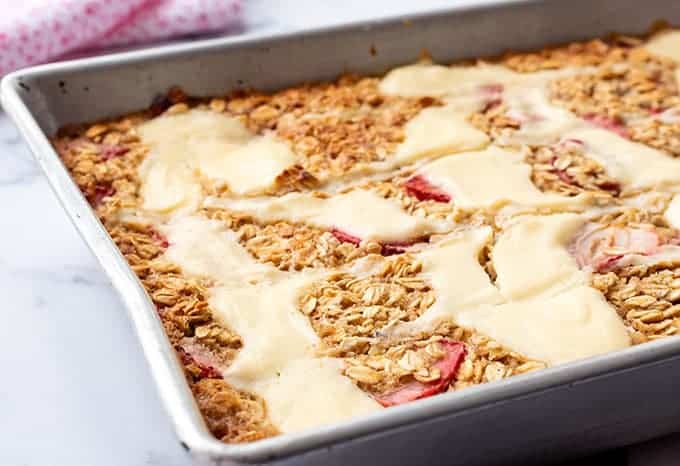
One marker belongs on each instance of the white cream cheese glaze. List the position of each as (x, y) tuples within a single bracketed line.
[(555, 329), (530, 256), (541, 122), (278, 360), (550, 315), (442, 81), (436, 131), (491, 178), (672, 213), (470, 285), (213, 145), (665, 44), (538, 305), (363, 214), (634, 165)]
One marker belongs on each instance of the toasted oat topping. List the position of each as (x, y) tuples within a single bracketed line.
[(564, 169), (589, 53), (659, 133), (494, 120), (634, 85), (561, 168), (635, 95), (397, 188), (333, 126), (647, 298), (487, 360), (232, 416), (651, 216), (349, 312), (204, 345), (353, 316), (388, 364), (291, 246), (103, 162)]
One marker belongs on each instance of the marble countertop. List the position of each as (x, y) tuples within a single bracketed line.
[(76, 390)]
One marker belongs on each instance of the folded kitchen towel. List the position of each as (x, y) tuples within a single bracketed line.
[(39, 31)]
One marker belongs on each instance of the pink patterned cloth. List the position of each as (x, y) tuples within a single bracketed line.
[(38, 31)]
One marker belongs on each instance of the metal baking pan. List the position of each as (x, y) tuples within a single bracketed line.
[(564, 411)]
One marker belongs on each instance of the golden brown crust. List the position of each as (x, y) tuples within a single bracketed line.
[(334, 127), (391, 363), (111, 185), (290, 246), (590, 53), (231, 415), (646, 298), (354, 317)]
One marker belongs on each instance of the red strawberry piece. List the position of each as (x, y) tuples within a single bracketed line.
[(390, 249), (592, 246), (448, 365), (561, 173), (160, 238), (110, 151), (491, 103), (564, 176), (345, 237), (572, 143), (608, 123), (101, 191), (191, 353), (612, 186), (608, 262), (492, 94), (418, 187)]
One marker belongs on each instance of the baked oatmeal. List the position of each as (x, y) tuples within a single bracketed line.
[(334, 249)]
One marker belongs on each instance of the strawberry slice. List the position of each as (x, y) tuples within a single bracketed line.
[(110, 151), (418, 187), (561, 173), (101, 190), (345, 237), (571, 143), (577, 144), (612, 186), (388, 249), (608, 123), (448, 365), (160, 238), (491, 103), (191, 353), (493, 95), (602, 248)]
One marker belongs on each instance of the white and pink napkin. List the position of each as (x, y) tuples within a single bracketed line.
[(39, 31)]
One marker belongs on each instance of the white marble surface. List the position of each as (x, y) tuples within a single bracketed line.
[(75, 388)]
